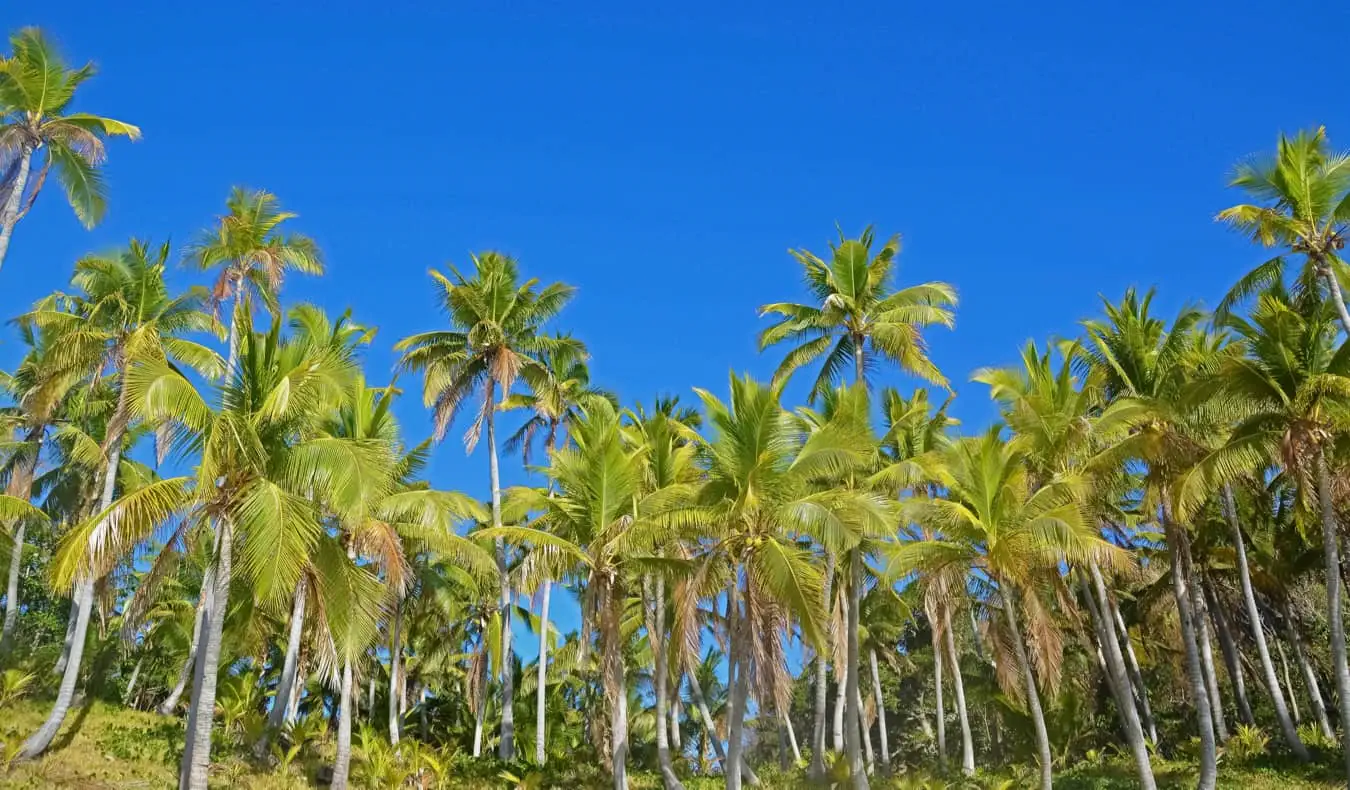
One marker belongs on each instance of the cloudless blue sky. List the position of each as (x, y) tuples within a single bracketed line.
[(664, 159)]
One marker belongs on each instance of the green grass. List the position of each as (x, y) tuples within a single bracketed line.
[(105, 747)]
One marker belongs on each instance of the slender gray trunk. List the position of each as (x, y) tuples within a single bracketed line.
[(1306, 668), (281, 704), (853, 698), (705, 716), (736, 683), (881, 712), (131, 682), (840, 689), (12, 589), (204, 597), (1033, 696), (370, 698), (618, 728), (1334, 285), (792, 739), (1178, 553), (540, 710), (1232, 659), (1115, 664), (395, 674), (676, 739), (868, 753), (1207, 660), (959, 686), (38, 742), (1331, 551), (9, 214), (342, 762), (940, 709), (1289, 684), (71, 619), (506, 749), (1136, 676), (1277, 700), (197, 756), (821, 689), (656, 637)]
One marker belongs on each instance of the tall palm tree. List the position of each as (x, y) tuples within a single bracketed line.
[(1288, 396), (497, 321), (121, 316), (36, 90), (856, 314), (1303, 208)]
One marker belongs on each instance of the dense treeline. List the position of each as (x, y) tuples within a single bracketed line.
[(210, 511)]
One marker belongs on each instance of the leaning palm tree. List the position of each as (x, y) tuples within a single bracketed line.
[(36, 90), (1303, 208), (996, 523), (497, 321), (1288, 397), (856, 315), (120, 317)]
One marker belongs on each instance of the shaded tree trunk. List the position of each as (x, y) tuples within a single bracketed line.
[(1178, 553), (204, 597), (71, 619), (9, 214), (959, 686), (1207, 659), (881, 712), (1120, 681), (737, 681), (940, 716), (709, 728), (1332, 558), (655, 616), (1305, 667), (676, 739), (20, 487), (540, 708), (1033, 696), (506, 749), (395, 674), (822, 683), (280, 714), (197, 755), (131, 682), (853, 698), (1136, 676), (792, 739), (1232, 660), (342, 762), (1289, 684)]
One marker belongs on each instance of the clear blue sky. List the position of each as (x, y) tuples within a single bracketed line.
[(663, 160)]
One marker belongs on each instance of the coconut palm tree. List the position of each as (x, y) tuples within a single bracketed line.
[(1302, 207), (855, 315), (1288, 396), (997, 523), (37, 88), (120, 317), (497, 321)]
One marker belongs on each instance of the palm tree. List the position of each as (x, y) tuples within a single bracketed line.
[(121, 317), (36, 90), (1303, 207), (997, 523), (497, 321), (1287, 397), (856, 314)]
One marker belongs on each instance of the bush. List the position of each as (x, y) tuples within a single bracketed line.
[(1247, 744)]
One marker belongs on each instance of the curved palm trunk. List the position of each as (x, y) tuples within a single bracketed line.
[(1120, 680), (822, 683), (868, 754), (197, 756), (71, 617), (705, 716), (853, 699), (940, 709), (9, 214), (1331, 552), (38, 742), (343, 761), (131, 682), (1177, 552), (1033, 696), (21, 487), (1136, 676), (185, 672), (506, 749), (280, 713), (1309, 676), (540, 710), (1337, 299), (395, 674), (959, 686), (881, 712), (1232, 659), (655, 616), (1289, 684), (1201, 613), (792, 739)]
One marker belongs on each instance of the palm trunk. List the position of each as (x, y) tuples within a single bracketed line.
[(1335, 287), (38, 742), (131, 682), (959, 686), (1136, 676), (1289, 685), (1115, 664), (881, 712), (1309, 676), (9, 214), (1177, 553), (197, 756), (853, 699), (704, 715), (279, 715), (540, 693), (618, 728), (941, 715), (1201, 615), (1287, 727), (1332, 558), (478, 717), (792, 739), (736, 682), (185, 672), (395, 674), (1033, 696), (370, 698), (506, 749), (655, 616), (840, 689), (822, 683), (21, 487), (343, 761), (1232, 660), (676, 740), (71, 618), (866, 730)]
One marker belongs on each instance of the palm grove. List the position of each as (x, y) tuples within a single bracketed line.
[(211, 512)]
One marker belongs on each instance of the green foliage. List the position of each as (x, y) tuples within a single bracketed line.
[(1246, 744)]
